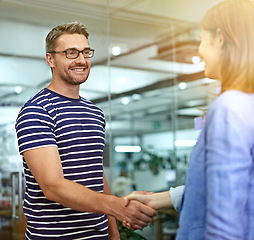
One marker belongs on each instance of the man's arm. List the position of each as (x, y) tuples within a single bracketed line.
[(46, 167), (113, 231)]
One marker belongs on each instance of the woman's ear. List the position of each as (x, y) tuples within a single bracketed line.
[(50, 60), (220, 37)]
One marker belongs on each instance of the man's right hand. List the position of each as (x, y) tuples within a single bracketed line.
[(137, 214)]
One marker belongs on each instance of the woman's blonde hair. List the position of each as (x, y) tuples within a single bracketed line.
[(235, 19)]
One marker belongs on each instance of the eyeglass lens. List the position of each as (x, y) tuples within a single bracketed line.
[(74, 53)]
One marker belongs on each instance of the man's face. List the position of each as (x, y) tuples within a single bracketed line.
[(71, 71)]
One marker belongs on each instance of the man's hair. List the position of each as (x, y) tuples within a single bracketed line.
[(68, 28), (235, 20)]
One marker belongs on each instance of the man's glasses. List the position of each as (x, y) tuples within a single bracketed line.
[(74, 53)]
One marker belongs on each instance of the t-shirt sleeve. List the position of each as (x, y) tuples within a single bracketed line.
[(34, 128)]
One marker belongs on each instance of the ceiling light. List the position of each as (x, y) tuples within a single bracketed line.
[(18, 89), (136, 96), (196, 59), (127, 148), (182, 85), (185, 143), (116, 50), (125, 100)]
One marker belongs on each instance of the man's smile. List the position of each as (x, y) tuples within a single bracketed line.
[(79, 69)]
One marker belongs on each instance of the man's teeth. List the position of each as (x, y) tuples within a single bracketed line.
[(79, 69)]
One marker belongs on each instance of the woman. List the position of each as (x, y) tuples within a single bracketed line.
[(219, 189)]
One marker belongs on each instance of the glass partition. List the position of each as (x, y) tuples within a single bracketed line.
[(156, 91)]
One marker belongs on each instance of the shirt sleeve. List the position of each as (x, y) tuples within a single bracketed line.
[(34, 128), (228, 161), (176, 195)]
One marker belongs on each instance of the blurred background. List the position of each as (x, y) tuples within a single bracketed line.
[(146, 76)]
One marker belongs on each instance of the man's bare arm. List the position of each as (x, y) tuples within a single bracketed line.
[(113, 231), (46, 167)]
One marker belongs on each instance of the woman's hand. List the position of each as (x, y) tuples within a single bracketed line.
[(141, 196)]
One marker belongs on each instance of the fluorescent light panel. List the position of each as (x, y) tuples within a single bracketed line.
[(185, 143), (127, 148)]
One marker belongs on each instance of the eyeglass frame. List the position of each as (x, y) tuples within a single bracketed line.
[(65, 51)]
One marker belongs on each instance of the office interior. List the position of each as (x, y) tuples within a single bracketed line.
[(146, 76)]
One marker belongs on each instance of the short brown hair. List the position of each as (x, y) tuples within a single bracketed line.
[(235, 19), (68, 28)]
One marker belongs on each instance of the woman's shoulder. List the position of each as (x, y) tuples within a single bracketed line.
[(232, 106), (234, 100)]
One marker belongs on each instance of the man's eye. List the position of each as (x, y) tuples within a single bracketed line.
[(86, 52), (70, 52)]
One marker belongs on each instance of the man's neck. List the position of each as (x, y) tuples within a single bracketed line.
[(70, 91)]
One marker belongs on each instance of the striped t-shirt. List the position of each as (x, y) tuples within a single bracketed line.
[(76, 127)]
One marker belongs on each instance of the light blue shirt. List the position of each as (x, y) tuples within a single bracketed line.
[(219, 189)]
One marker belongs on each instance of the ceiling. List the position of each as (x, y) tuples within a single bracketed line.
[(157, 38)]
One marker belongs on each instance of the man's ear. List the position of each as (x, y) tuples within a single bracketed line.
[(50, 60), (220, 37)]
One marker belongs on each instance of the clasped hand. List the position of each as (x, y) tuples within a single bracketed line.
[(145, 211)]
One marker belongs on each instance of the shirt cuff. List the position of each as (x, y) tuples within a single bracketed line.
[(176, 195)]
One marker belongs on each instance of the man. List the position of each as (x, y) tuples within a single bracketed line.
[(61, 138)]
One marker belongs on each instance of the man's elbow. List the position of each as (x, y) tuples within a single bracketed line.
[(50, 191), (50, 195)]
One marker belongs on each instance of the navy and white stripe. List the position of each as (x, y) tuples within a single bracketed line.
[(76, 127)]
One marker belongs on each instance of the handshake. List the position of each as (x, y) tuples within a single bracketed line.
[(138, 208), (141, 206)]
